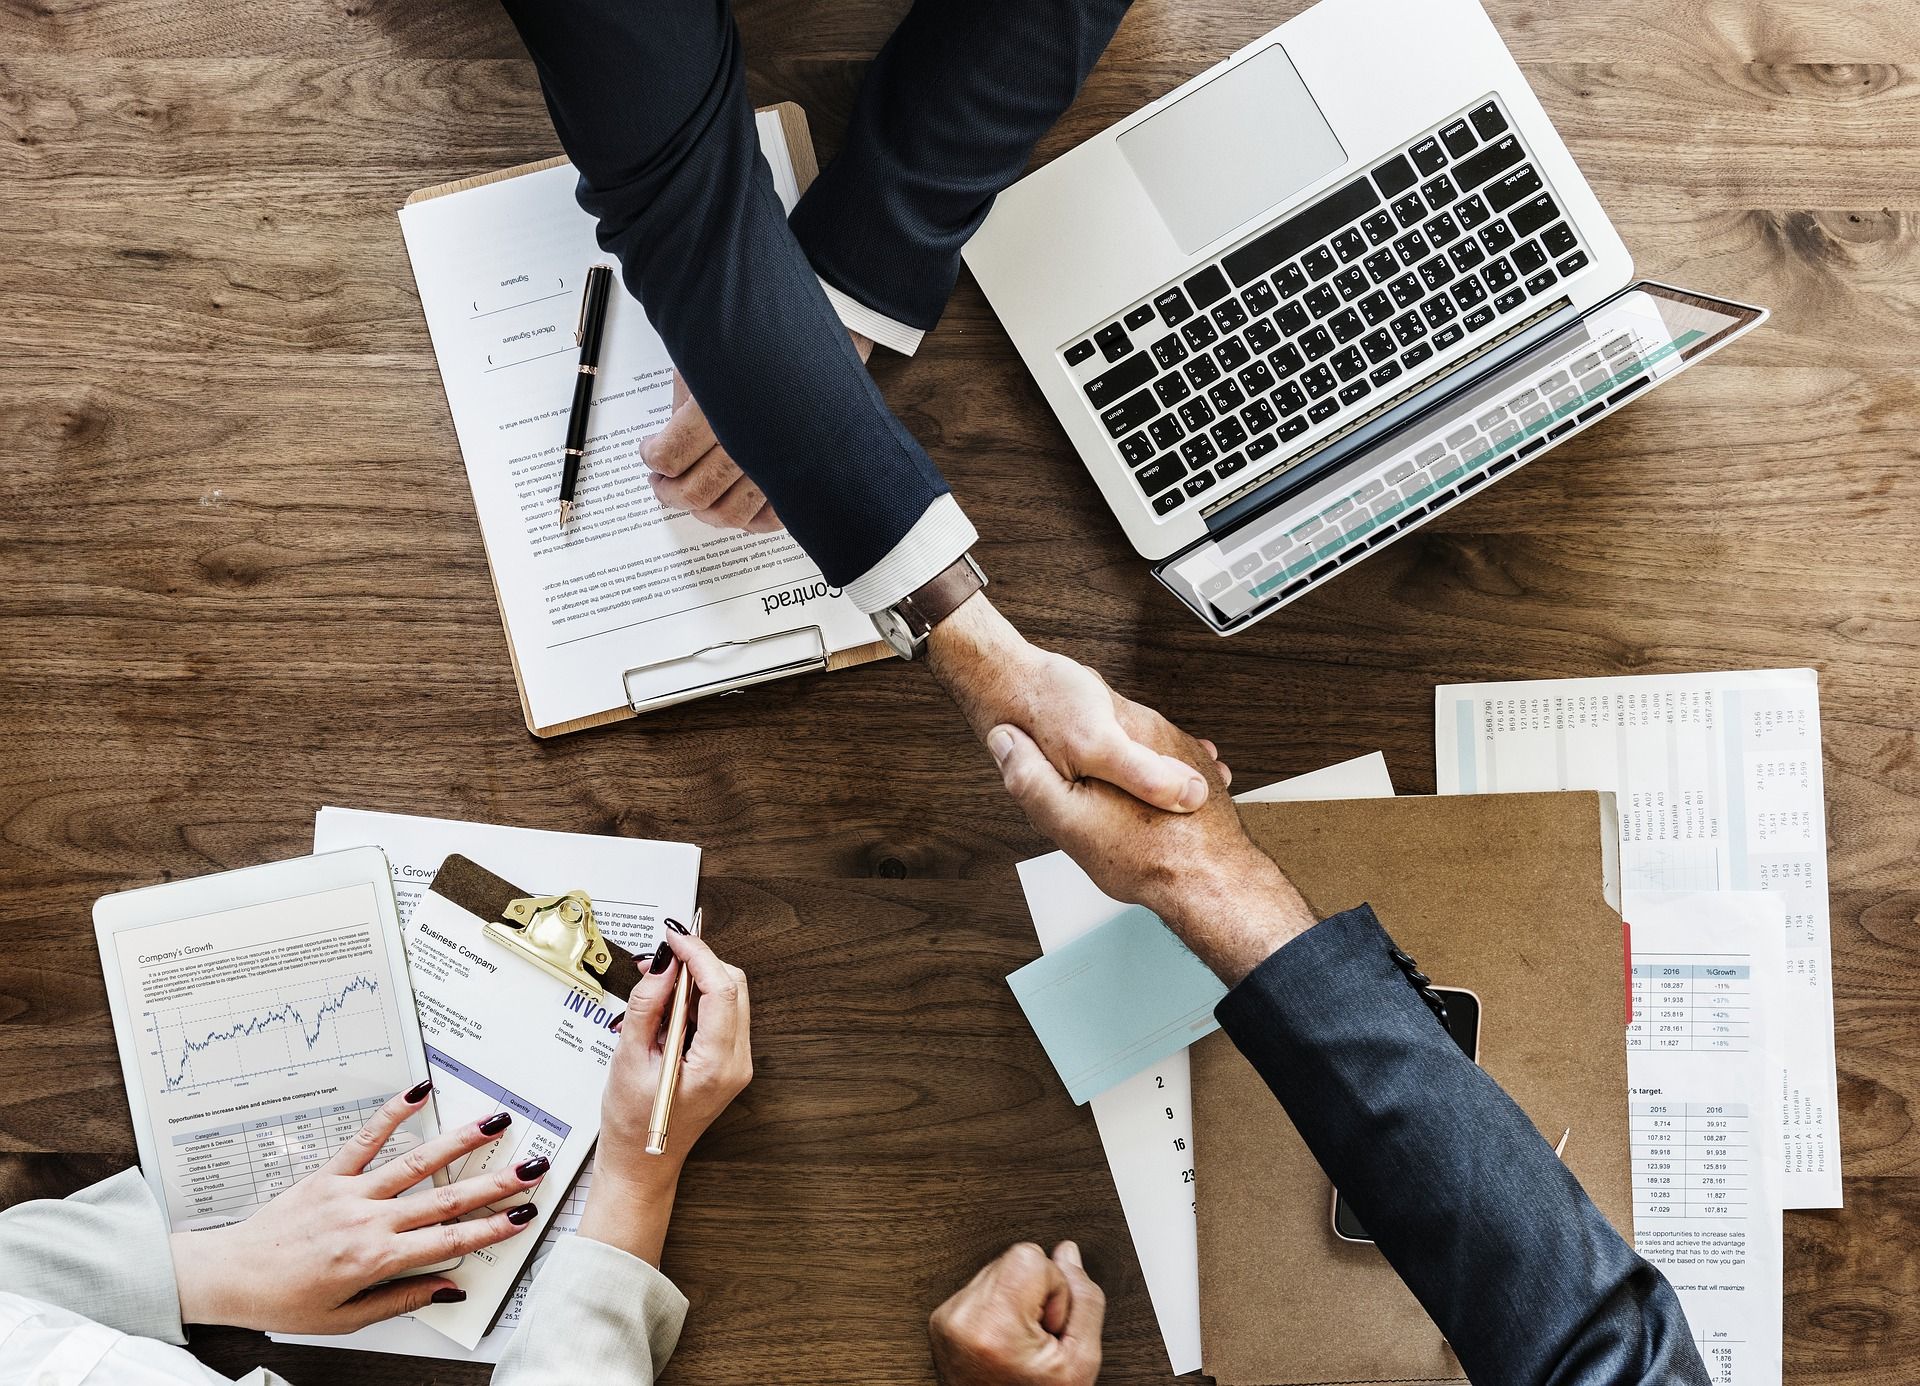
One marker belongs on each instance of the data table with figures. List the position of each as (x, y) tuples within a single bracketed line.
[(229, 1170), (1693, 1005), (1690, 1159)]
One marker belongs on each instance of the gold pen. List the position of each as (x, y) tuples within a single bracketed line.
[(676, 1042)]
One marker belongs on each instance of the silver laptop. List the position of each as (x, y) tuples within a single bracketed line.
[(1323, 292)]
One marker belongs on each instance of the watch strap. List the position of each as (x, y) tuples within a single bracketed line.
[(940, 596)]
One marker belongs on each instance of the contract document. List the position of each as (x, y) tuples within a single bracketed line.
[(1719, 785), (633, 604)]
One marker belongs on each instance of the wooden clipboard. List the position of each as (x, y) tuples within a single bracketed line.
[(799, 140)]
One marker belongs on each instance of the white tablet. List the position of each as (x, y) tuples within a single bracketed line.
[(262, 1017)]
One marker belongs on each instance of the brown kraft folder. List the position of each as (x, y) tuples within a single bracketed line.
[(1504, 895)]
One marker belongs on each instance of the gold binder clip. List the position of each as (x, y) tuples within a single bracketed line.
[(557, 933)]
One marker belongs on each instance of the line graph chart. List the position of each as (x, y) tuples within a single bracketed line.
[(270, 1031)]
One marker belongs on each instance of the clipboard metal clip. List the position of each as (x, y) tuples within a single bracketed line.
[(813, 661), (556, 933)]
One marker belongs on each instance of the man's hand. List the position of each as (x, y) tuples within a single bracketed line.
[(1085, 729), (1025, 1320), (692, 472)]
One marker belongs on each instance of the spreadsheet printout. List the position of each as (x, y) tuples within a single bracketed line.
[(1719, 782)]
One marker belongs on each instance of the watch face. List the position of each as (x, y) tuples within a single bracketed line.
[(893, 629)]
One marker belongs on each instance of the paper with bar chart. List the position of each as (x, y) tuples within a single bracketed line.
[(266, 1036)]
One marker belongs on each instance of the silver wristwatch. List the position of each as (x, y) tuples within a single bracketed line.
[(908, 622)]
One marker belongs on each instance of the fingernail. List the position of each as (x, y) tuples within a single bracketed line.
[(449, 1294), (495, 1124), (615, 1023), (1070, 1251), (1000, 744), (534, 1168), (661, 958), (679, 928), (522, 1215), (419, 1090), (1194, 795)]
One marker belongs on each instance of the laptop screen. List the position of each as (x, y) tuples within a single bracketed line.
[(1640, 337)]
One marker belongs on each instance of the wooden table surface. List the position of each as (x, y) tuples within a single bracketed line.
[(240, 578)]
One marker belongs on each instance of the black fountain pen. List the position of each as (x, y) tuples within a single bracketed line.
[(593, 317)]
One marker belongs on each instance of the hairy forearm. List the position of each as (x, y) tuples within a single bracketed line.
[(974, 653), (1235, 912)]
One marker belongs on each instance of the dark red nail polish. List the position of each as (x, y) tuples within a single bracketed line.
[(495, 1124), (522, 1215), (679, 928), (660, 959), (419, 1090), (448, 1294), (532, 1169), (614, 1024)]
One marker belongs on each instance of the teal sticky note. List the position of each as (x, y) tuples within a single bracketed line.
[(1116, 999)]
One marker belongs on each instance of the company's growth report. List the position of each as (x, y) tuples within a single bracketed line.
[(264, 1038), (1719, 785), (629, 583)]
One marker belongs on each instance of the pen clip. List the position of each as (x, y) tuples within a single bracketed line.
[(586, 293)]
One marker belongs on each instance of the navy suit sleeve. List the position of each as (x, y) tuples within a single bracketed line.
[(947, 116), (649, 100), (1489, 1230)]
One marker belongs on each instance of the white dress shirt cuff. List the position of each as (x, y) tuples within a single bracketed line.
[(937, 538), (855, 316)]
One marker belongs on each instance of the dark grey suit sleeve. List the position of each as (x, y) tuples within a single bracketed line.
[(1488, 1229)]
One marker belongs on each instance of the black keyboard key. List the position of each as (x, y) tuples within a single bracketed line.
[(1161, 474), (1559, 240), (1259, 416), (1207, 287), (1468, 292), (1168, 351), (1172, 388), (1136, 449), (1290, 280), (1201, 371), (1495, 159), (1317, 381), (1439, 192), (1286, 361), (1346, 325), (1573, 264), (1294, 235), (1458, 139), (1198, 450), (1499, 275), (1355, 391), (1406, 291), (1232, 354), (1260, 299), (1439, 311), (1408, 329), (1292, 318), (1415, 355), (1382, 266), (1410, 210), (1229, 465), (1378, 346), (1169, 501), (1194, 485), (1227, 396), (1384, 372), (1442, 230), (1174, 308), (1447, 336), (1263, 336), (1079, 352), (1113, 341), (1229, 433), (1533, 214), (1542, 281), (1466, 255), (1321, 300), (1477, 319), (1292, 428), (1510, 300), (1428, 156), (1139, 317), (1515, 188), (1165, 432), (1496, 237), (1376, 308), (1379, 228), (1319, 262), (1351, 282), (1412, 248), (1436, 272), (1200, 334), (1129, 413), (1129, 375), (1261, 446), (1256, 379), (1395, 176), (1471, 211), (1323, 411), (1349, 363), (1487, 120), (1349, 245), (1316, 343), (1289, 398), (1229, 315), (1196, 414), (1529, 257)]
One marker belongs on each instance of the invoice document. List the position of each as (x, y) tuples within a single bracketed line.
[(630, 584), (635, 885), (1146, 1121), (1719, 783), (1703, 1069)]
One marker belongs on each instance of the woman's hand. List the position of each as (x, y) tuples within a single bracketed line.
[(632, 1193), (310, 1260)]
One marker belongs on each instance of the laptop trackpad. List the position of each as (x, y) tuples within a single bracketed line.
[(1243, 143)]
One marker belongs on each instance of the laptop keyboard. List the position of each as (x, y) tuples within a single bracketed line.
[(1319, 318)]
